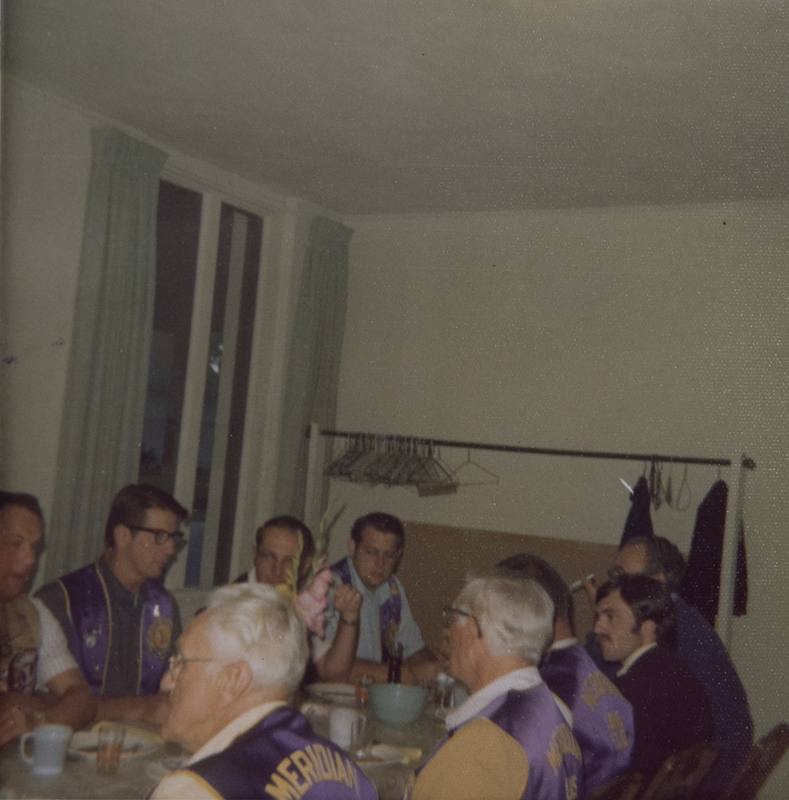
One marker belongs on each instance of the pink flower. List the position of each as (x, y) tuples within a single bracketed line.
[(311, 603)]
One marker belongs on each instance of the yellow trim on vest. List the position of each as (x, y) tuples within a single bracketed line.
[(109, 625)]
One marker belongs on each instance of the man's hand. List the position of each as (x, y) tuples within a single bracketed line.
[(18, 714), (348, 602)]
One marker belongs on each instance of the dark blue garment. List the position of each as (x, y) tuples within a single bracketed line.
[(602, 717), (703, 651), (281, 757)]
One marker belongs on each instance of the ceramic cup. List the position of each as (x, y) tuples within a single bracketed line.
[(50, 743), (346, 728)]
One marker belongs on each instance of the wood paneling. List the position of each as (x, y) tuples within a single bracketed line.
[(437, 559)]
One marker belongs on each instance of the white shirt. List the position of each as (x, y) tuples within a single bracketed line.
[(54, 656)]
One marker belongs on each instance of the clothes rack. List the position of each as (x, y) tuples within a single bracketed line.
[(733, 516)]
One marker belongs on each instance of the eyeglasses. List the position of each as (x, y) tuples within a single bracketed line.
[(449, 610), (175, 663), (388, 556), (162, 537)]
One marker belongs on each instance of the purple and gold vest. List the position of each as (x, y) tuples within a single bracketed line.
[(89, 608), (20, 641), (281, 757), (388, 613), (533, 719), (602, 718)]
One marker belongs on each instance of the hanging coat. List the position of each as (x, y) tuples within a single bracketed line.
[(638, 522), (701, 585)]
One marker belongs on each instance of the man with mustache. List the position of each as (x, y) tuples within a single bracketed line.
[(635, 625), (119, 620)]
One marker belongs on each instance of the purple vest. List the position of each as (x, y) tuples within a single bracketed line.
[(602, 718), (389, 612), (533, 719), (281, 757), (88, 606)]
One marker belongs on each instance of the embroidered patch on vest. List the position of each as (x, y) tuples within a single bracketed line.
[(159, 637)]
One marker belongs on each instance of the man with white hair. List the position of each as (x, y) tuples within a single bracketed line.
[(509, 739), (235, 667)]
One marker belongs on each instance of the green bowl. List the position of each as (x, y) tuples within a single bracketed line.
[(396, 703)]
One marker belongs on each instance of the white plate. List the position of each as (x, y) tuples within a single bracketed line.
[(333, 692), (380, 755), (135, 743)]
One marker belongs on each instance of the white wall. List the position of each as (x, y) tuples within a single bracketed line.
[(649, 330)]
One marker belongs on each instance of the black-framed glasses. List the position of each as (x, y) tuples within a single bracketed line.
[(448, 611), (161, 536)]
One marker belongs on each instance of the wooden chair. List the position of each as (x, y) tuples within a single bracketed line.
[(681, 774), (761, 761), (624, 786)]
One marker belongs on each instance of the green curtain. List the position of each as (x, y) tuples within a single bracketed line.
[(314, 366), (101, 428)]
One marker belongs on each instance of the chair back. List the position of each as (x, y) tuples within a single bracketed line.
[(761, 761), (681, 774), (624, 786)]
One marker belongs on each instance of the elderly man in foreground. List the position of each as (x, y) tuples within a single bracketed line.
[(235, 668), (509, 739)]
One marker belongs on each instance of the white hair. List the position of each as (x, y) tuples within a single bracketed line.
[(515, 615), (261, 626)]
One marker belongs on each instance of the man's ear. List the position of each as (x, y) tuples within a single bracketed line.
[(234, 680), (648, 631), (121, 536), (351, 547)]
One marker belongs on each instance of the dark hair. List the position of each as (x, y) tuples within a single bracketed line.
[(131, 503), (648, 599), (384, 523), (526, 565), (28, 501), (661, 555), (295, 526)]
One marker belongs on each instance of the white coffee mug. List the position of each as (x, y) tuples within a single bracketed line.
[(50, 743), (346, 727)]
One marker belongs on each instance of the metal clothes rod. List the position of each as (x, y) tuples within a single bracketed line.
[(746, 463)]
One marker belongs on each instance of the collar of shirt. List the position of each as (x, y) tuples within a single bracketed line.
[(118, 592), (633, 657), (252, 576), (563, 644), (519, 680), (239, 725)]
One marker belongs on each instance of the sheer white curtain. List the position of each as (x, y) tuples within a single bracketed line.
[(101, 428)]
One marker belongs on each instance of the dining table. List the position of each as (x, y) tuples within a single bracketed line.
[(146, 760), (405, 748)]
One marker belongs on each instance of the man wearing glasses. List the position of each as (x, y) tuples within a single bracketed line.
[(509, 739), (375, 549), (119, 620)]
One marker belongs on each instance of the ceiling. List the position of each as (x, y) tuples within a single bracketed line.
[(384, 106)]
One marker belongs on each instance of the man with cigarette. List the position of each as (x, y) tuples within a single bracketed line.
[(602, 717), (235, 668)]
